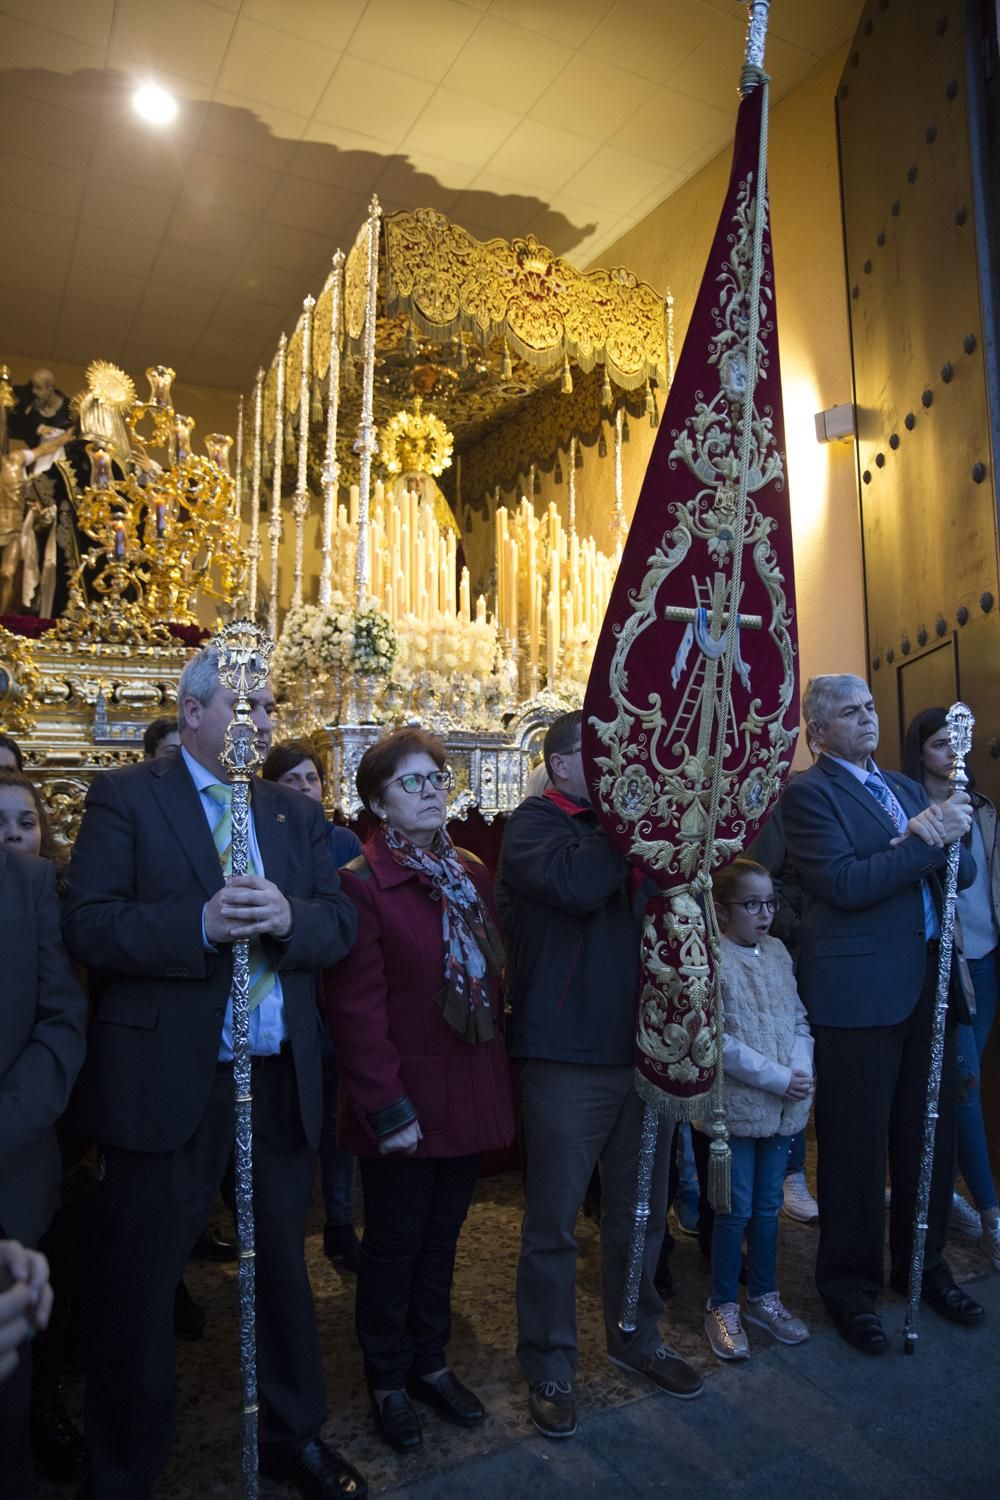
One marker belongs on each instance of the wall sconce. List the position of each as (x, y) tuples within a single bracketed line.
[(836, 424)]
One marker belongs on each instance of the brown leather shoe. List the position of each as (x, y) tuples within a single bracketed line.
[(552, 1408)]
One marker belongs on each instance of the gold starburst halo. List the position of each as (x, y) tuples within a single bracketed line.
[(110, 385), (416, 442)]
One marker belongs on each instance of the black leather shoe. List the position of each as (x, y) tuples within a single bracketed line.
[(864, 1331), (211, 1246), (450, 1399), (552, 1409), (952, 1303), (189, 1318), (316, 1470), (398, 1423), (58, 1447), (341, 1248)]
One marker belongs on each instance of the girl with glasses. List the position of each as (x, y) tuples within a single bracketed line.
[(767, 1056), (415, 1018)]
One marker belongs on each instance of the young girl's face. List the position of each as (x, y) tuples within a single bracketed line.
[(20, 830), (937, 756), (743, 926)]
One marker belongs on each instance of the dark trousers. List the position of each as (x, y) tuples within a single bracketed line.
[(151, 1207), (16, 1481), (871, 1091), (414, 1212), (576, 1116)]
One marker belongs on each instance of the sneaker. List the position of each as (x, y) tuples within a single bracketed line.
[(552, 1408), (962, 1217), (771, 1313), (991, 1242), (799, 1201), (724, 1331), (667, 1371)]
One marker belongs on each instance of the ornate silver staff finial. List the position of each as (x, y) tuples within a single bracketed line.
[(244, 657), (753, 58), (960, 724)]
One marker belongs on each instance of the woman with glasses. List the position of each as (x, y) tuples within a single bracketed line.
[(414, 1014), (767, 1056)]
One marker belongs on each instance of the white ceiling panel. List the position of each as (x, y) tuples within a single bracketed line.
[(569, 119)]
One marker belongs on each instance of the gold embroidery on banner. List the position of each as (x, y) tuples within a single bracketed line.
[(657, 769)]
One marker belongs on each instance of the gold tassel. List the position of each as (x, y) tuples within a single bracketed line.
[(650, 403), (507, 369), (579, 456), (316, 405), (720, 1159), (602, 445), (625, 432), (567, 378), (557, 472), (606, 388)]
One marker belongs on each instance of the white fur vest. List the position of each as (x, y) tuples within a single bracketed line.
[(765, 1018)]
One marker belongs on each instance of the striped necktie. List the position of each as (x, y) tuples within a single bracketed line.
[(884, 797), (262, 976)]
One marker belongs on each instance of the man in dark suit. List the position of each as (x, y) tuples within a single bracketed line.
[(43, 1018), (870, 853), (149, 912)]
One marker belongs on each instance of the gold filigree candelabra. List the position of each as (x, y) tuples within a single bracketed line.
[(165, 529)]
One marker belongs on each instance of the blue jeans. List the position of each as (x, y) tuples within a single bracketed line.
[(336, 1167), (796, 1153), (973, 1150), (756, 1184)]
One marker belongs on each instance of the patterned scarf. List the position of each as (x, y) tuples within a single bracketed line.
[(472, 949)]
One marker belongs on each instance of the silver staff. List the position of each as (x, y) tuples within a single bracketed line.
[(959, 724), (244, 653), (750, 78)]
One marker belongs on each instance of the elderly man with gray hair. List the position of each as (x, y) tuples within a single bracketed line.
[(871, 853), (153, 910)]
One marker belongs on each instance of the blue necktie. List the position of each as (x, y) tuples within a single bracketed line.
[(884, 797)]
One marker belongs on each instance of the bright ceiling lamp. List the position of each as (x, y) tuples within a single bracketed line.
[(153, 104)]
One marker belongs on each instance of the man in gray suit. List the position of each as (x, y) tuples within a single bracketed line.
[(43, 1021), (870, 853)]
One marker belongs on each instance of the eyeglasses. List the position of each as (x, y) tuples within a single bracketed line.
[(413, 781), (754, 905)]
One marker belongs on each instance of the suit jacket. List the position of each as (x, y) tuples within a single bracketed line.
[(397, 1057), (143, 867), (862, 945), (43, 1022)]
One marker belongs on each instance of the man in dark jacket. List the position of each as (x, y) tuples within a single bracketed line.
[(153, 911), (870, 852), (43, 1021), (572, 930)]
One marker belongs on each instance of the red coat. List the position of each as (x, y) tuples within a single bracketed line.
[(391, 1040)]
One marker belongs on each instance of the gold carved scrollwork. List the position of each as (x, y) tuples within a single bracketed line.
[(546, 307), (355, 284)]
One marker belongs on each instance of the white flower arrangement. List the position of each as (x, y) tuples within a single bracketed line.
[(373, 642), (318, 641)]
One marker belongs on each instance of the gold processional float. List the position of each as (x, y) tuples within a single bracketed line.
[(399, 577)]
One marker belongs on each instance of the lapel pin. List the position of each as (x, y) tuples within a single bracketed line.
[(280, 817)]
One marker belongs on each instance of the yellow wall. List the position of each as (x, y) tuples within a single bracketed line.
[(668, 249)]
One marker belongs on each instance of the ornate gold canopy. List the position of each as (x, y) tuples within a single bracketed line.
[(475, 329)]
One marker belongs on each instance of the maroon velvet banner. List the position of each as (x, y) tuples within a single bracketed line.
[(692, 706)]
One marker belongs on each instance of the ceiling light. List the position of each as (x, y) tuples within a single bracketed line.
[(154, 104)]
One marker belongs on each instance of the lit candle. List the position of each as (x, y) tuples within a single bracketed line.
[(354, 497), (465, 596), (481, 609)]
